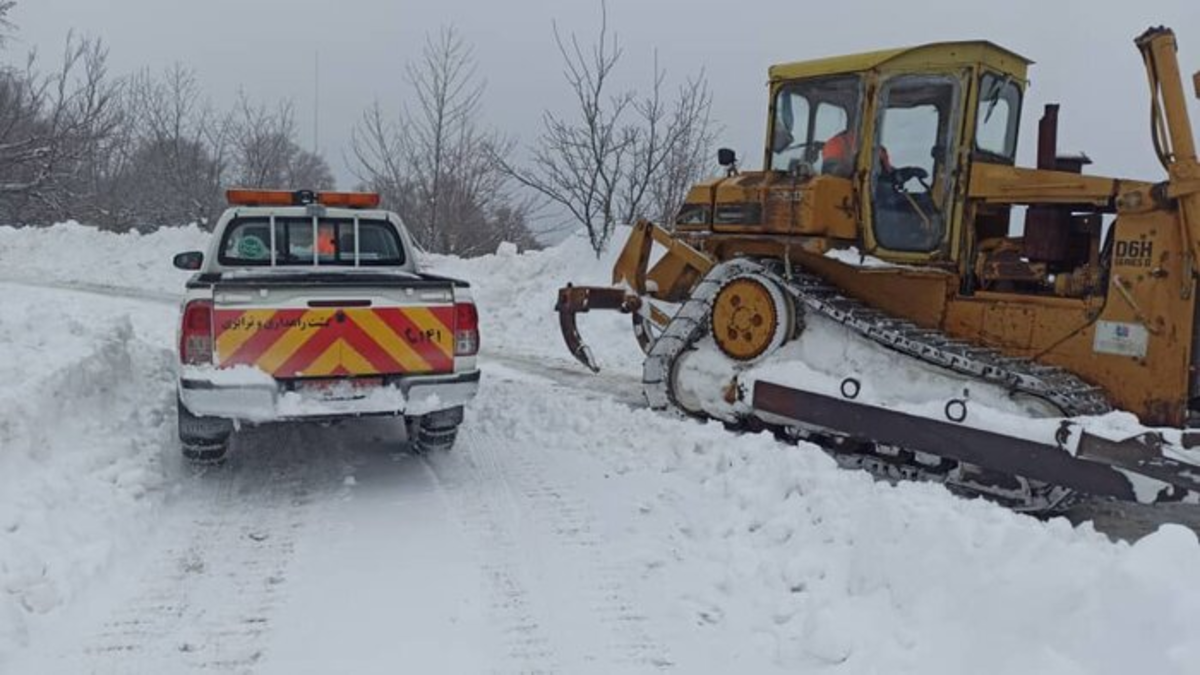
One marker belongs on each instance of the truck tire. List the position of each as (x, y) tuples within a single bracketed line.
[(203, 439), (435, 432)]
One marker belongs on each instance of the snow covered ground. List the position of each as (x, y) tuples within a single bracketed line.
[(570, 530)]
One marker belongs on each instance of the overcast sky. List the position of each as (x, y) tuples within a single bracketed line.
[(1086, 58)]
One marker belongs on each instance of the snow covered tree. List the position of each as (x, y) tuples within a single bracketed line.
[(50, 126)]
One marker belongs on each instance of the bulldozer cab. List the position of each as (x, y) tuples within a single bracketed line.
[(904, 127)]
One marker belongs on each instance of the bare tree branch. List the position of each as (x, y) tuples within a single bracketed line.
[(51, 126), (618, 153), (434, 164)]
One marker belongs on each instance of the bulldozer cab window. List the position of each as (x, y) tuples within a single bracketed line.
[(998, 117), (807, 115), (912, 160)]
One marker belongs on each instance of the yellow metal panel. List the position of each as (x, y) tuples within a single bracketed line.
[(918, 295), (1062, 331), (932, 56), (1008, 325), (998, 184), (829, 207), (836, 65)]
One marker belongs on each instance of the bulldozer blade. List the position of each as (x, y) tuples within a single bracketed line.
[(572, 300), (1098, 467), (1142, 455)]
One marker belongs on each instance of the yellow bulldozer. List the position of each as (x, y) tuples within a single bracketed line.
[(886, 209)]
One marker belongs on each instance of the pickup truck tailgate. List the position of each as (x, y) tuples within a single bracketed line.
[(322, 331)]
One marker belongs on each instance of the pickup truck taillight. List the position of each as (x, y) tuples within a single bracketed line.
[(196, 338), (466, 329)]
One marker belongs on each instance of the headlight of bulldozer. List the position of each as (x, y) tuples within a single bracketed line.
[(692, 214), (738, 214)]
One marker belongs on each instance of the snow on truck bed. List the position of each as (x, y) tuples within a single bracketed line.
[(749, 555)]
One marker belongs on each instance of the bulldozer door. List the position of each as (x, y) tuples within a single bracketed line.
[(912, 165)]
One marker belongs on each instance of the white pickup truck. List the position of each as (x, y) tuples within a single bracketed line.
[(310, 306)]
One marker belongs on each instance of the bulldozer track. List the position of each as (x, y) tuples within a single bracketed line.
[(1068, 394)]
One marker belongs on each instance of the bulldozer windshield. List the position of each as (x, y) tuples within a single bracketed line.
[(808, 114)]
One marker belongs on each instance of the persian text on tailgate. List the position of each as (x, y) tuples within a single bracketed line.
[(331, 342)]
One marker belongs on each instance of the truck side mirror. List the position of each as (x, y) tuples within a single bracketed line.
[(190, 261), (1196, 82)]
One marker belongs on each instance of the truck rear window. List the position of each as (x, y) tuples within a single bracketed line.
[(248, 241)]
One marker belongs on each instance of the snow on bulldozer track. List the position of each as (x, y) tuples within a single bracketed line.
[(571, 530)]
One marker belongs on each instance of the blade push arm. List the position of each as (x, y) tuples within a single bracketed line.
[(1171, 129)]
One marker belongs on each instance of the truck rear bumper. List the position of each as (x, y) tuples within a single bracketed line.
[(271, 401)]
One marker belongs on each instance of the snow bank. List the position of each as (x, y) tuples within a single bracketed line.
[(516, 296), (779, 553), (70, 253), (86, 415), (515, 292)]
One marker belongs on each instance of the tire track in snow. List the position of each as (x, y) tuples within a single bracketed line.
[(480, 495), (207, 601), (530, 529), (618, 386), (568, 517), (145, 295)]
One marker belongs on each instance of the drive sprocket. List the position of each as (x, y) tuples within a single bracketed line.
[(751, 317)]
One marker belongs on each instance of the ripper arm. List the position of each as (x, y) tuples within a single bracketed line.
[(670, 280)]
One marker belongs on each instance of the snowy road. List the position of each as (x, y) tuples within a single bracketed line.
[(570, 531), (334, 550)]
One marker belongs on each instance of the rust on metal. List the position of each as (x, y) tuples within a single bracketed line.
[(573, 300)]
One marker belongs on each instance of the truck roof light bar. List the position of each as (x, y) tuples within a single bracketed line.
[(349, 200)]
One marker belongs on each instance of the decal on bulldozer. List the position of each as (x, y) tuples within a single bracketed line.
[(288, 343), (1137, 253), (1121, 339)]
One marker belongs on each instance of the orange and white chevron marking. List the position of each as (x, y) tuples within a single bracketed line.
[(291, 343)]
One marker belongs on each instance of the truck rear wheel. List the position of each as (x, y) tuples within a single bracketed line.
[(435, 432), (203, 439)]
